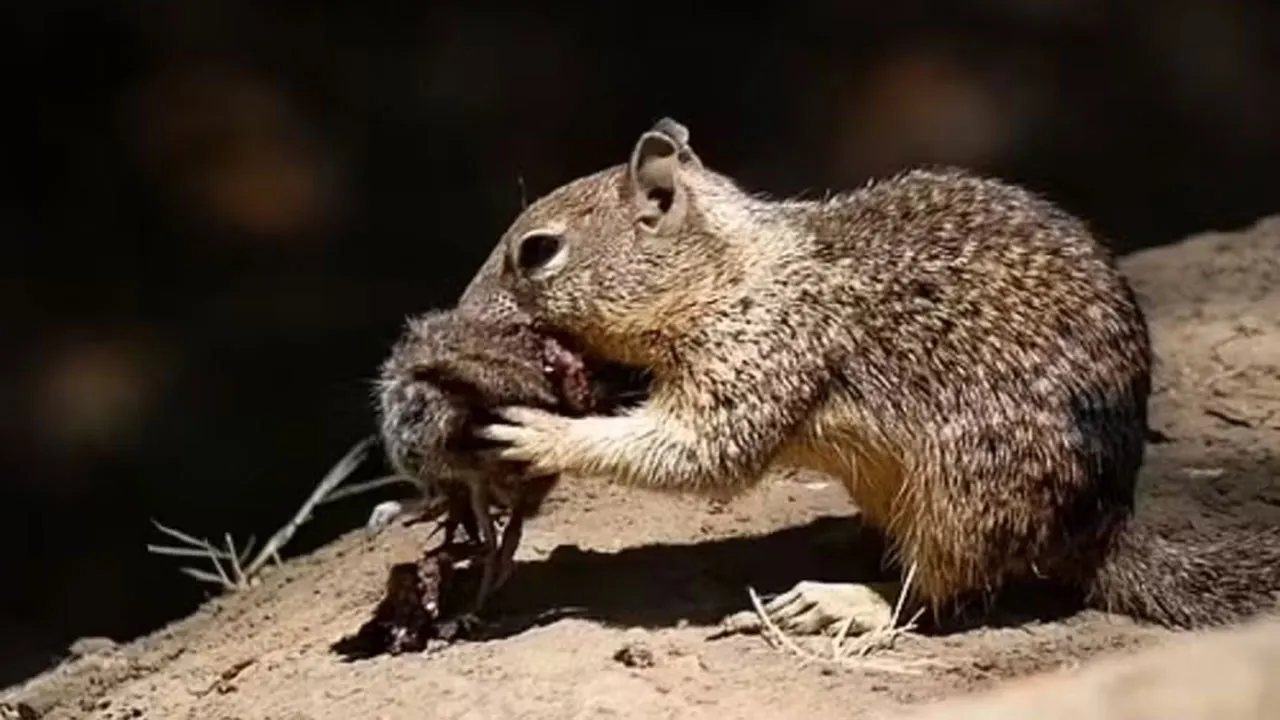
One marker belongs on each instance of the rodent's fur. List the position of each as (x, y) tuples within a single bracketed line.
[(962, 354)]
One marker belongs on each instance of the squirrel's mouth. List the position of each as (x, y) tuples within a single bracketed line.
[(616, 385)]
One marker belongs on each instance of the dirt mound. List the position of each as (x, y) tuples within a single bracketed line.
[(1224, 675), (618, 590)]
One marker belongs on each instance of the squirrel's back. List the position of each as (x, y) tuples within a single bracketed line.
[(948, 291)]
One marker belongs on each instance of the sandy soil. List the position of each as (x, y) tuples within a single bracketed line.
[(1230, 674), (607, 568)]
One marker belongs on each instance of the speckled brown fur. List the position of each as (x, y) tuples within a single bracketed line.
[(963, 355)]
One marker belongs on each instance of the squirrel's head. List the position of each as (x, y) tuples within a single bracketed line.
[(619, 259)]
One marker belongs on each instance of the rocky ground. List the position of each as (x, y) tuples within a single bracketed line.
[(606, 570)]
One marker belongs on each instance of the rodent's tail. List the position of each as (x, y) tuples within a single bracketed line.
[(1187, 581)]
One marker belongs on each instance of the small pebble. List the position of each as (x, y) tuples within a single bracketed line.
[(91, 646), (635, 655)]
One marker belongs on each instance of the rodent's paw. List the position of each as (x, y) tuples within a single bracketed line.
[(533, 437), (383, 514)]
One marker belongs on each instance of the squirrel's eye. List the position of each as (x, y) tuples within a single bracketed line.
[(538, 251)]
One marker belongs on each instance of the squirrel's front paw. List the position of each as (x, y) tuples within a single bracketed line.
[(530, 436)]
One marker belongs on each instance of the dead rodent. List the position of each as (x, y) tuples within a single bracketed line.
[(964, 356), (443, 376)]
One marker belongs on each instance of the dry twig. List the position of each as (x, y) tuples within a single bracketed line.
[(364, 487), (232, 568)]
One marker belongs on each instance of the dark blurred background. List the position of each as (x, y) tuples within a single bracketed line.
[(217, 213)]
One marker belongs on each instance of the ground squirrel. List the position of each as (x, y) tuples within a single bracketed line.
[(443, 374), (961, 354)]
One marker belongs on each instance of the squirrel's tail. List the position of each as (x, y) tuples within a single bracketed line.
[(1187, 581)]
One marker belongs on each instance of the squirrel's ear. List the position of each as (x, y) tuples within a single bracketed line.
[(660, 199)]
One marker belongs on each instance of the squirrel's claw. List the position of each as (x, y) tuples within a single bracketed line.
[(814, 607), (507, 435), (530, 417), (529, 438)]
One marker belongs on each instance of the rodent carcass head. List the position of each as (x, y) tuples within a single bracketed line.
[(601, 258), (444, 376)]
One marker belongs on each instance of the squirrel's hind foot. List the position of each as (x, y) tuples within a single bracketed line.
[(811, 608)]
